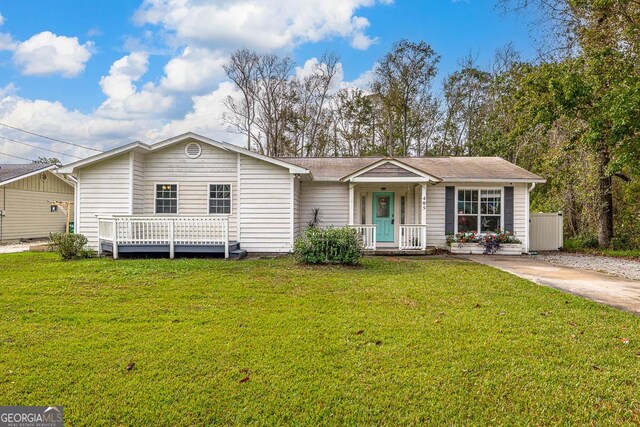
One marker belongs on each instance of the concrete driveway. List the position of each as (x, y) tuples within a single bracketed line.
[(601, 287), (21, 246)]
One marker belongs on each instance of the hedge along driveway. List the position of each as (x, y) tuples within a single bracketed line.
[(271, 342)]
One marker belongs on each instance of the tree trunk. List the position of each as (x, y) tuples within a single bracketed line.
[(606, 202)]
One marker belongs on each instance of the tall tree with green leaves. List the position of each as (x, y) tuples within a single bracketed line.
[(596, 84), (402, 79)]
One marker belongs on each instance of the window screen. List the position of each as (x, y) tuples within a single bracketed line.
[(219, 198), (166, 198)]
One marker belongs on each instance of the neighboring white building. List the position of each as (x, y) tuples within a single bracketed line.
[(26, 193), (194, 194)]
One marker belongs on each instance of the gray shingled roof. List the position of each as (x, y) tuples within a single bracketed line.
[(445, 168), (8, 172)]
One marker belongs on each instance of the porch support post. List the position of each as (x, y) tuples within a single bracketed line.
[(99, 239), (115, 239), (351, 200), (172, 242), (423, 216), (226, 239)]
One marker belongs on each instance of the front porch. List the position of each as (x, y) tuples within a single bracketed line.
[(132, 234), (412, 240), (390, 216), (388, 206)]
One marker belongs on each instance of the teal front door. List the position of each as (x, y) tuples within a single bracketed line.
[(383, 216)]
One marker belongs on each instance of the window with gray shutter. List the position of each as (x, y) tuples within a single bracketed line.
[(449, 209), (508, 209)]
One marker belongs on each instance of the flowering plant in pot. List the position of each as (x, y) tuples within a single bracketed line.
[(492, 241), (469, 237)]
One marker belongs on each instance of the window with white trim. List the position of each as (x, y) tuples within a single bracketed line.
[(220, 198), (166, 198), (479, 211)]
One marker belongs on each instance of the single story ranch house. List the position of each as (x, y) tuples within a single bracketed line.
[(193, 194)]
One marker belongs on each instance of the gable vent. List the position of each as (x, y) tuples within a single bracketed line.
[(193, 150)]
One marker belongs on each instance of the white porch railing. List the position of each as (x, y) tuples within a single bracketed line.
[(413, 236), (140, 230), (367, 233)]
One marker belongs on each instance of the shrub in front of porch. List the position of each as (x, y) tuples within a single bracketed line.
[(329, 246)]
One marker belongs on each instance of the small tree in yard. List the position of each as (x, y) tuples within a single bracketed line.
[(70, 246), (329, 246)]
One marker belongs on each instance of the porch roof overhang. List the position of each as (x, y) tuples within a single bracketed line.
[(409, 173)]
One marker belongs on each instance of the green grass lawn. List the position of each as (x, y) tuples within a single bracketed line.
[(393, 342)]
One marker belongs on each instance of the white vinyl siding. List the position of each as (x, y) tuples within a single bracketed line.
[(193, 176), (520, 212), (265, 206), (104, 190), (27, 207), (332, 198), (435, 214)]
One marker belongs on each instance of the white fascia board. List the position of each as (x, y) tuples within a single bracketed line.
[(71, 168), (496, 180), (415, 179), (27, 175), (352, 176)]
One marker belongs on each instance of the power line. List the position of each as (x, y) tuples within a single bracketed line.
[(17, 157), (49, 138), (38, 147)]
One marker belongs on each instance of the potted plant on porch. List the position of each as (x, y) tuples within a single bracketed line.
[(499, 242)]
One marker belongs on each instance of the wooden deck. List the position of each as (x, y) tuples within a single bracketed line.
[(171, 235), (165, 249)]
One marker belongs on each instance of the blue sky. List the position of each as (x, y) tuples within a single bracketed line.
[(168, 78)]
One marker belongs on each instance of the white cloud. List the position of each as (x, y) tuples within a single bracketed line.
[(363, 81), (124, 101), (205, 117), (7, 42), (47, 53), (118, 84), (264, 25), (52, 118), (9, 89), (196, 69)]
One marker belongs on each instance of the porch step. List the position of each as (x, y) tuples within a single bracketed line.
[(401, 252), (238, 254)]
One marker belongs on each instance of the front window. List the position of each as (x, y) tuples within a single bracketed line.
[(220, 198), (479, 211), (403, 202), (363, 210), (166, 198), (490, 209)]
